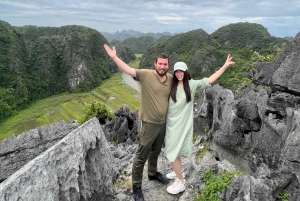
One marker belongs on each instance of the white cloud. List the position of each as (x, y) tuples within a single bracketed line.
[(280, 17), (169, 19), (18, 5)]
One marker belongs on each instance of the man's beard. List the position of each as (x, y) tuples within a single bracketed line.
[(159, 74)]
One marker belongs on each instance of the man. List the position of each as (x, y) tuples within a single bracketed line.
[(155, 89)]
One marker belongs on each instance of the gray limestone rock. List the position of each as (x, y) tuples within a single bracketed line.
[(122, 127), (16, 151), (78, 167), (283, 73), (257, 129)]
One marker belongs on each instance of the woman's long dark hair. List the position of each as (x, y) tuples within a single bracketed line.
[(186, 86)]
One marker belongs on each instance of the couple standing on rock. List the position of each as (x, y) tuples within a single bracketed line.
[(166, 112)]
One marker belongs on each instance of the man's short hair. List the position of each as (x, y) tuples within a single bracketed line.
[(162, 56)]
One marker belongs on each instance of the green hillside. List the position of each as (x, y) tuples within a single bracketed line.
[(205, 53), (39, 62), (70, 106)]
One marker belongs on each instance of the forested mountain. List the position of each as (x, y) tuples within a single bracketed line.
[(37, 62), (139, 44), (122, 35), (136, 40), (289, 38), (205, 53)]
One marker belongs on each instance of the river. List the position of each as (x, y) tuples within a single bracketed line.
[(127, 79)]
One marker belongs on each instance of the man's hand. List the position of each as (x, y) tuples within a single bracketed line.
[(112, 53)]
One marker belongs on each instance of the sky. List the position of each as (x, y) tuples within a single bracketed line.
[(280, 17)]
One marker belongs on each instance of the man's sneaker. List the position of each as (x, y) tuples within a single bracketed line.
[(159, 177), (138, 194), (172, 175), (176, 187)]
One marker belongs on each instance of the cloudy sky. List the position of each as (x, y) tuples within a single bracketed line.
[(280, 17)]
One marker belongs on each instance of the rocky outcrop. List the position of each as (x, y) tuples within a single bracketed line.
[(16, 151), (78, 167), (257, 129), (194, 168), (122, 127), (284, 73)]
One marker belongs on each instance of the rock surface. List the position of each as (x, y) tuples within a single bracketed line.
[(78, 167), (257, 129), (283, 73), (122, 127), (16, 151)]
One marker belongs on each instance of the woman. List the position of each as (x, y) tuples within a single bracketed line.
[(179, 133)]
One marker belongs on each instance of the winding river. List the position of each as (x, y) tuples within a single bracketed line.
[(127, 79)]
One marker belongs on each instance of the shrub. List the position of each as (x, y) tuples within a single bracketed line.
[(214, 184), (98, 110), (283, 196)]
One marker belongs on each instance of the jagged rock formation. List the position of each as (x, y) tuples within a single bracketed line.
[(284, 73), (257, 129), (78, 167), (16, 151), (122, 127)]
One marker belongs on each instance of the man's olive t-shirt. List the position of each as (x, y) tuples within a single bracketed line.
[(154, 96)]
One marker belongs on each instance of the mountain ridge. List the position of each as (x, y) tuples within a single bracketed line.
[(124, 34)]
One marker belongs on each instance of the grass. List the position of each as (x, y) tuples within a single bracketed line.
[(71, 106)]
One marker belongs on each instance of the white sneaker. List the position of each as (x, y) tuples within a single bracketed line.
[(176, 187), (172, 175)]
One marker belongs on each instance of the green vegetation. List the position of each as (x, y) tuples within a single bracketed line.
[(289, 38), (205, 53), (214, 184), (195, 136), (98, 110), (283, 196), (13, 90), (74, 61), (204, 149), (70, 106), (114, 143), (139, 44), (135, 63)]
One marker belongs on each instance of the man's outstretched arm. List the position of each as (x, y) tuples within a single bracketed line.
[(112, 53)]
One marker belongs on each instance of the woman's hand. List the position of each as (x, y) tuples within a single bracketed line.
[(229, 61)]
